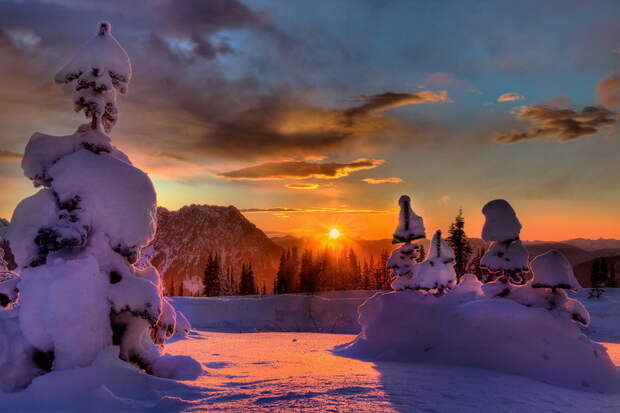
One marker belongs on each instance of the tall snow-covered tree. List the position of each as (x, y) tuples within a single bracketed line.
[(506, 259), (460, 245), (77, 240)]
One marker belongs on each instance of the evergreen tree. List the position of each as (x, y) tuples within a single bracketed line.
[(611, 283), (281, 275), (598, 278), (308, 276), (247, 284), (460, 244), (211, 280)]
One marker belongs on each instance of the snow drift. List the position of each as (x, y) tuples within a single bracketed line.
[(532, 330)]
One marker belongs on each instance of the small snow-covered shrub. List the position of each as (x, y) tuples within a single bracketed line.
[(436, 273), (76, 243)]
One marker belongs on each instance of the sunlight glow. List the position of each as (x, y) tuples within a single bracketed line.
[(334, 233)]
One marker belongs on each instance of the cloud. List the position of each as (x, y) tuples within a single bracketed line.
[(300, 170), (376, 181), (281, 210), (389, 100), (442, 80), (10, 156), (302, 186), (608, 90), (561, 124), (510, 97)]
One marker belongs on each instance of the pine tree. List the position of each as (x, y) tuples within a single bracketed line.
[(474, 265), (308, 276), (460, 244), (598, 277), (611, 283), (211, 280), (247, 284), (280, 283)]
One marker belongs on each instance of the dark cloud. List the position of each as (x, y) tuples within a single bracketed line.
[(300, 170), (388, 100), (561, 124)]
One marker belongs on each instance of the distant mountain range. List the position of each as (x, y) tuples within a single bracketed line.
[(186, 237), (580, 252)]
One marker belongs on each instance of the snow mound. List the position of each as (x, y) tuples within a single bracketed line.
[(552, 270), (109, 384), (501, 221), (465, 327)]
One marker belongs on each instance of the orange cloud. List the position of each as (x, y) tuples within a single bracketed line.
[(282, 210), (300, 170), (608, 90), (376, 181), (510, 97), (9, 156), (301, 186)]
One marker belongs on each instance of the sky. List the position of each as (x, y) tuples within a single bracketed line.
[(313, 115)]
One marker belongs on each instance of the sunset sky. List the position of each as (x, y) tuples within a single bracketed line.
[(311, 115)]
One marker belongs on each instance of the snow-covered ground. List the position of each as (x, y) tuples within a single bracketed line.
[(296, 371), (278, 371)]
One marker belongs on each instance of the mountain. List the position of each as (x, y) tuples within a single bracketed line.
[(186, 237), (574, 255), (594, 244)]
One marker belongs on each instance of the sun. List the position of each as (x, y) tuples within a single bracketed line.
[(334, 233)]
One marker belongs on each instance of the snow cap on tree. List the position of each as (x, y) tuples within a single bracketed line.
[(100, 69), (410, 226), (552, 270), (501, 222), (436, 272)]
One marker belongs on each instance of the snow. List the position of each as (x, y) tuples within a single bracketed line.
[(125, 212), (501, 222), (334, 312), (298, 371), (31, 213), (410, 226), (502, 256), (75, 243), (99, 69), (552, 270), (436, 272), (42, 151), (493, 333)]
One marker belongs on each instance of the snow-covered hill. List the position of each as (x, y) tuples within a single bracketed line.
[(186, 237)]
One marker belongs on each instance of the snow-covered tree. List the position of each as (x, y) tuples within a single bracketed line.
[(506, 260), (553, 273), (77, 240), (436, 273), (403, 259), (98, 71)]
